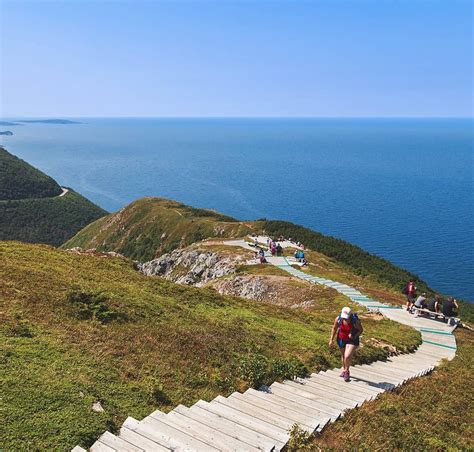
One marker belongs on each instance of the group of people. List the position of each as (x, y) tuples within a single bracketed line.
[(448, 307)]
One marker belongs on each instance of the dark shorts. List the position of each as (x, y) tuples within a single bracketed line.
[(342, 343)]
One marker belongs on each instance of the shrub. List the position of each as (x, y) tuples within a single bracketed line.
[(94, 306), (258, 370), (300, 440)]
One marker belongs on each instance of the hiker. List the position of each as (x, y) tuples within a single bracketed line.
[(279, 250), (348, 329), (450, 307), (261, 253), (273, 249), (409, 290), (434, 303), (420, 302)]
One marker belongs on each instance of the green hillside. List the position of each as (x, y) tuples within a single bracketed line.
[(19, 180), (153, 226), (77, 329), (31, 209)]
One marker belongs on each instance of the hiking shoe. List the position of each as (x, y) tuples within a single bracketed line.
[(347, 376)]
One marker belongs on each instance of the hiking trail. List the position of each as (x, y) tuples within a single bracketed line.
[(260, 420)]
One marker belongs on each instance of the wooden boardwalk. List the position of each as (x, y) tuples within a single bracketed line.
[(260, 420)]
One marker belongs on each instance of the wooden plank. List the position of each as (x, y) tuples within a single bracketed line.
[(232, 429), (257, 411), (279, 435), (172, 437), (319, 403), (317, 396), (372, 377), (99, 446), (310, 413), (209, 435), (260, 413), (141, 441), (390, 375), (332, 379), (321, 390), (118, 443), (291, 415)]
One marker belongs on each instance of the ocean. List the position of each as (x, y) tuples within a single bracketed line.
[(399, 188)]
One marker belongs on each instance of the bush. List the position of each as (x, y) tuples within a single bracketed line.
[(259, 370), (93, 306), (300, 440)]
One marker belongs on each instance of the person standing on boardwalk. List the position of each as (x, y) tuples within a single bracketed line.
[(409, 290), (347, 328)]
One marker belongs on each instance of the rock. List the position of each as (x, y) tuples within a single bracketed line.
[(81, 394), (97, 407), (192, 266)]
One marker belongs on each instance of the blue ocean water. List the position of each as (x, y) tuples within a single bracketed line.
[(399, 188)]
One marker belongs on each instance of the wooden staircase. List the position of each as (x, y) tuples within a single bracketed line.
[(261, 420)]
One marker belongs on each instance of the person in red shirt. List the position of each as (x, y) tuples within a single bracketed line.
[(347, 328), (410, 292)]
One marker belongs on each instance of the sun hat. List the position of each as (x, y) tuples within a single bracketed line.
[(346, 312)]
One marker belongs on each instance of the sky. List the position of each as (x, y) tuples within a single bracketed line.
[(295, 58)]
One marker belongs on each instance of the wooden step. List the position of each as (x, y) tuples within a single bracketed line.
[(141, 441), (293, 416), (319, 397), (383, 381), (261, 413), (279, 435), (101, 447), (209, 435), (321, 403), (319, 390), (172, 437), (237, 431), (310, 412), (117, 443), (332, 379), (383, 375)]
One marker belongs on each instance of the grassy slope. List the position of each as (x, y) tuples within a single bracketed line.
[(432, 413), (19, 180), (46, 220), (152, 226), (173, 344)]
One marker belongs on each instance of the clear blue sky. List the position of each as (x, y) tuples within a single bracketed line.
[(240, 58)]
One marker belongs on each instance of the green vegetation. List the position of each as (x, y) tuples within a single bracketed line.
[(430, 413), (19, 180), (152, 226), (76, 329), (46, 220), (32, 211)]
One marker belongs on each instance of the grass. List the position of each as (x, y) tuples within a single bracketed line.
[(150, 227), (429, 413), (165, 344)]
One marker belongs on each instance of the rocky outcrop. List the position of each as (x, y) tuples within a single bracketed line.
[(192, 266), (247, 286)]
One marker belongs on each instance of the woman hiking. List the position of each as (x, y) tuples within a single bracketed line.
[(348, 328)]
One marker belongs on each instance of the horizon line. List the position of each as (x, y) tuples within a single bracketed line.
[(229, 117)]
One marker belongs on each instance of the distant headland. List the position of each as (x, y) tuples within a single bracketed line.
[(6, 132), (19, 122)]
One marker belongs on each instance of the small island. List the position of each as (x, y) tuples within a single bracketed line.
[(49, 121), (7, 133)]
